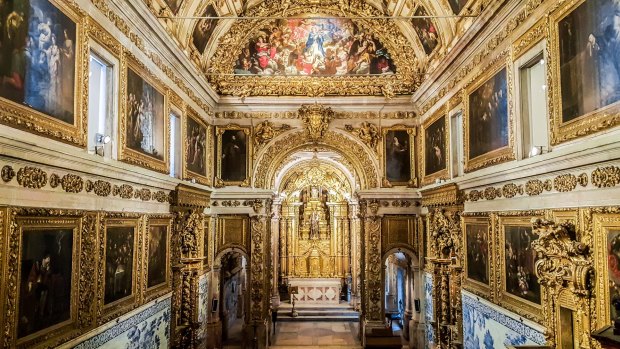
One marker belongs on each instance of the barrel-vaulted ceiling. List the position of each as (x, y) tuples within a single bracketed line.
[(315, 47)]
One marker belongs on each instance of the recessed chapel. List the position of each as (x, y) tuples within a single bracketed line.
[(406, 174)]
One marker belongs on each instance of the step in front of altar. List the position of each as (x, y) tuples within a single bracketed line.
[(332, 312)]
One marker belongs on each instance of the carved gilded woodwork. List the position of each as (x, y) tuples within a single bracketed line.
[(233, 231), (316, 120), (441, 174), (445, 195), (265, 132), (258, 283), (126, 154), (584, 125), (338, 115), (368, 133), (373, 266), (603, 222)]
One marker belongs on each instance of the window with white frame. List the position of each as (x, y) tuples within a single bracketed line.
[(175, 146), (534, 121), (100, 102), (456, 144)]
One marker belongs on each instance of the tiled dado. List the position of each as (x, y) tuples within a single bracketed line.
[(600, 177)]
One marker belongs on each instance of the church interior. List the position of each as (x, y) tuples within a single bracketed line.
[(410, 174)]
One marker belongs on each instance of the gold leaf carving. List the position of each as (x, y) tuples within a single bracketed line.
[(31, 177)]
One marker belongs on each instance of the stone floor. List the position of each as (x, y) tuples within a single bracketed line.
[(332, 335)]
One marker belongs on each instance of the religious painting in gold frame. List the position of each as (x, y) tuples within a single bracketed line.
[(120, 240), (585, 76), (399, 156), (51, 100), (42, 278), (156, 277), (519, 291), (477, 255), (144, 132), (606, 231), (197, 150), (489, 119), (435, 147), (234, 160)]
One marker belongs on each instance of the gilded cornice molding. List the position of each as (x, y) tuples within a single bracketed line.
[(295, 115), (446, 195), (186, 196)]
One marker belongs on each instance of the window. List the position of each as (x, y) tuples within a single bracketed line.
[(100, 111), (456, 144), (175, 146), (534, 123)]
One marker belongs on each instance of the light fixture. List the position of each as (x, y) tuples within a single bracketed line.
[(542, 61), (100, 141), (537, 150)]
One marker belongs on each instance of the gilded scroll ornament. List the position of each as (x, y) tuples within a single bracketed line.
[(31, 177), (125, 191), (8, 173), (72, 183), (534, 187), (143, 194), (266, 131), (511, 190), (606, 177), (316, 120), (565, 183), (160, 196), (191, 229), (368, 133), (102, 188), (445, 233), (54, 180), (561, 259)]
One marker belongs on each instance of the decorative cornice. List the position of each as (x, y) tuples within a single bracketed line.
[(446, 195), (186, 196)]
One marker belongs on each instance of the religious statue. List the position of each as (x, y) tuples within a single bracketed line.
[(314, 225)]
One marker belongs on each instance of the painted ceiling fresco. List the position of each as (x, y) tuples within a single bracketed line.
[(325, 47)]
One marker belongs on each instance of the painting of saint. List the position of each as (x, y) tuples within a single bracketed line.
[(457, 5), (234, 156), (145, 129), (204, 29), (613, 270), (174, 5), (477, 252), (196, 142), (317, 47), (119, 259), (426, 30), (157, 248), (521, 280), (488, 116), (435, 147), (37, 57), (45, 283), (589, 42), (397, 156)]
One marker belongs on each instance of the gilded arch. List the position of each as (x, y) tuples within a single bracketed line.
[(365, 165)]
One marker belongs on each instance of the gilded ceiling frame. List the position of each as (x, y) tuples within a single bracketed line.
[(405, 81), (324, 166), (364, 163)]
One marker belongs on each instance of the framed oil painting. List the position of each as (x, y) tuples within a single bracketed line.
[(488, 119), (607, 263), (586, 68), (41, 64), (435, 148), (42, 281), (157, 255), (478, 254), (233, 155), (426, 30), (144, 122), (197, 149), (119, 261), (520, 290), (399, 156), (204, 29)]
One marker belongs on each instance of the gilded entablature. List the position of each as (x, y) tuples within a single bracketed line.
[(446, 195), (232, 73)]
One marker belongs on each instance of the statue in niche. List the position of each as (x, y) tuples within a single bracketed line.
[(303, 198), (314, 225), (324, 199)]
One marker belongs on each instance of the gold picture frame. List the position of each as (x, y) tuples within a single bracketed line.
[(477, 286), (112, 309), (247, 131), (18, 115), (188, 174), (411, 133), (159, 289), (41, 222), (132, 156), (445, 172), (603, 225), (583, 125), (503, 154), (519, 305)]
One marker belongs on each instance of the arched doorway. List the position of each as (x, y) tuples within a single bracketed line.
[(232, 301)]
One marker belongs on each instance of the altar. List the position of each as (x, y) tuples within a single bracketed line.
[(316, 290)]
